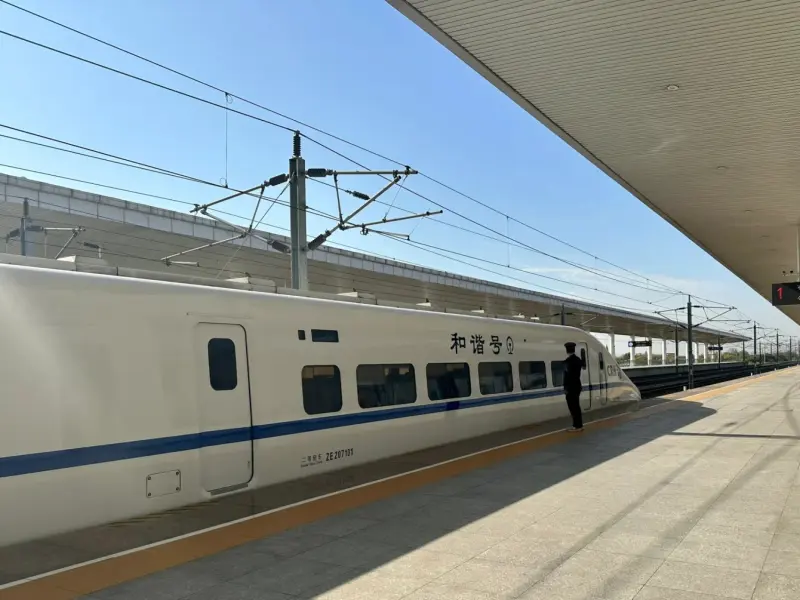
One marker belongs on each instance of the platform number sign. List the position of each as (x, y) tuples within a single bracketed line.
[(480, 345), (784, 294)]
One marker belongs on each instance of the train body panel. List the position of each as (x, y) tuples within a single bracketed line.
[(114, 390)]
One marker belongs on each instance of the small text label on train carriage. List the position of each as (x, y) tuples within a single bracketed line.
[(478, 344), (312, 460), (337, 454)]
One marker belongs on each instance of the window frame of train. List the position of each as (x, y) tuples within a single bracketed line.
[(557, 366), (528, 374), (223, 374), (507, 376), (389, 393), (310, 396), (448, 368)]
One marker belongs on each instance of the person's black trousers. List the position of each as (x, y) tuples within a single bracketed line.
[(574, 404)]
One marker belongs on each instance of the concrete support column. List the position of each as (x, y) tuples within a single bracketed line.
[(664, 351), (612, 345), (705, 353), (632, 353), (650, 352)]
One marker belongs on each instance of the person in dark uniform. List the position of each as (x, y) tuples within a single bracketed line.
[(572, 385)]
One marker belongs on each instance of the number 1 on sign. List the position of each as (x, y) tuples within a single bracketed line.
[(780, 293)]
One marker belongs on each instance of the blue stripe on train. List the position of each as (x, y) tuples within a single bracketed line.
[(76, 457)]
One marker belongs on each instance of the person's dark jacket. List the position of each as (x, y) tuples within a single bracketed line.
[(572, 373)]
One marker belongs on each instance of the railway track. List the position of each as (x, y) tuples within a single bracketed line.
[(667, 383)]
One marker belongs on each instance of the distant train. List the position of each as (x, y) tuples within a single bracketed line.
[(132, 393)]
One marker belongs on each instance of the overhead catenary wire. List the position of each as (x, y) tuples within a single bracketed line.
[(181, 202), (76, 153), (510, 241), (399, 288), (436, 251), (316, 129), (266, 121), (167, 172), (143, 80), (432, 249), (125, 162), (479, 224), (237, 216), (335, 244), (499, 264), (110, 252), (647, 279), (227, 94), (213, 253), (222, 256)]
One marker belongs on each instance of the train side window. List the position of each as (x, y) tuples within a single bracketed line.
[(322, 389), (448, 380), (557, 368), (386, 385), (583, 357), (222, 364), (495, 377), (602, 363), (532, 375), (325, 335)]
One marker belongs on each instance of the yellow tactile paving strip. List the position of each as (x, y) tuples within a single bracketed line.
[(81, 580)]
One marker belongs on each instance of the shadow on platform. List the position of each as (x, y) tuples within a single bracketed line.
[(461, 533), (468, 499)]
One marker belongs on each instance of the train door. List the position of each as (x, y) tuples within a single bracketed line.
[(223, 396), (586, 394)]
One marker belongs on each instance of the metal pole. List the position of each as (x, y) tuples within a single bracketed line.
[(23, 229), (75, 233), (689, 353), (677, 346), (777, 347), (297, 210), (719, 353), (755, 343), (632, 353)]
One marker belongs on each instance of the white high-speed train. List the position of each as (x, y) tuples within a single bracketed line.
[(131, 393)]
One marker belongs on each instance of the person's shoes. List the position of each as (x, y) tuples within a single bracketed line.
[(575, 429)]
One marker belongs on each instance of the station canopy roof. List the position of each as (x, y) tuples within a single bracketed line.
[(138, 236), (690, 106)]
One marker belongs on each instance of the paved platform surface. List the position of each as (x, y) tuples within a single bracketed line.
[(698, 499)]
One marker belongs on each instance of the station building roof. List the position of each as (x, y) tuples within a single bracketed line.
[(690, 106), (138, 236)]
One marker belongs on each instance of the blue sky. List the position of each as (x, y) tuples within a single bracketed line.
[(364, 72)]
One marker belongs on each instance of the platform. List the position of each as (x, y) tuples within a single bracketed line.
[(694, 498)]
